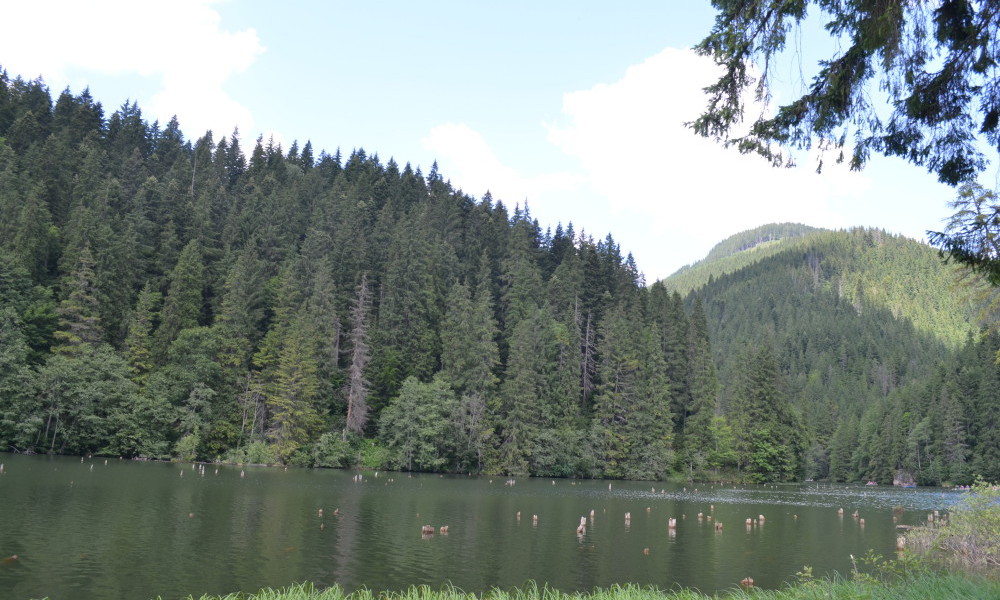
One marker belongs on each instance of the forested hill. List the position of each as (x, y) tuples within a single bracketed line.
[(868, 268), (737, 251), (858, 320), (165, 297)]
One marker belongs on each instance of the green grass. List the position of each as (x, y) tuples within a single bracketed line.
[(971, 538), (928, 586)]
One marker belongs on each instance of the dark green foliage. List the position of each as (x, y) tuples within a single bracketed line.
[(938, 67), (169, 298), (861, 323), (182, 306), (768, 430), (79, 319), (632, 428), (971, 236)]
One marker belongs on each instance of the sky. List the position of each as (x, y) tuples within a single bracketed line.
[(573, 107)]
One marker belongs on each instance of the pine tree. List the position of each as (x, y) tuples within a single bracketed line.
[(469, 350), (516, 413), (614, 400), (291, 401), (239, 319), (139, 342), (183, 305), (79, 317), (703, 388), (768, 431)]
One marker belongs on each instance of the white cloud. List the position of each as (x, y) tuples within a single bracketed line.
[(473, 166), (180, 42), (630, 139), (666, 194)]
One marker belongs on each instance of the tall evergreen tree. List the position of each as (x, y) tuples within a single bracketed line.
[(291, 401), (139, 342), (79, 317), (767, 428), (468, 333), (183, 305)]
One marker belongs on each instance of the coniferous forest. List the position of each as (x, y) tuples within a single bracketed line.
[(212, 299)]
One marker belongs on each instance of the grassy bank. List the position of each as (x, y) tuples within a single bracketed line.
[(970, 539), (929, 586)]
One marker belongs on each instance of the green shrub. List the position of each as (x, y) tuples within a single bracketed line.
[(332, 451), (971, 537), (374, 456), (186, 448), (254, 453)]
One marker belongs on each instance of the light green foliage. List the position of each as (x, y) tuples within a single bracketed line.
[(416, 426), (737, 252), (255, 453), (332, 450), (80, 394), (916, 587), (970, 538), (293, 394), (186, 448), (860, 322), (372, 455), (721, 449)]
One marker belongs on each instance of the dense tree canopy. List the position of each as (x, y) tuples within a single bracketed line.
[(171, 298)]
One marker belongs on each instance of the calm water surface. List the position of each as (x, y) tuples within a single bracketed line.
[(126, 529)]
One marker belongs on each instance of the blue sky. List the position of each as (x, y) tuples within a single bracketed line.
[(573, 106)]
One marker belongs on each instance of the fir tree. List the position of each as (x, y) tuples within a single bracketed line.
[(182, 307), (79, 318)]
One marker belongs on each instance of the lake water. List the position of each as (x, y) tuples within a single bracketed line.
[(122, 529)]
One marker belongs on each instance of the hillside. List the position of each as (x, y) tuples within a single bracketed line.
[(867, 268), (162, 297), (736, 252), (854, 318)]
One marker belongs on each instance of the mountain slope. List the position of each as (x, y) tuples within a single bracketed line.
[(851, 315), (736, 252)]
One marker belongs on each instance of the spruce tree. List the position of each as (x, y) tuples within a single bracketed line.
[(79, 317), (183, 305), (139, 342)]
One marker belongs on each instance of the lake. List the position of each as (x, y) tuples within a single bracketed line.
[(127, 529)]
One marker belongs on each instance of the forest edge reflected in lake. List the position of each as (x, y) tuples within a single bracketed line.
[(114, 528)]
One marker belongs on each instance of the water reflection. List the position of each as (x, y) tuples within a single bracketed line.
[(124, 529)]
